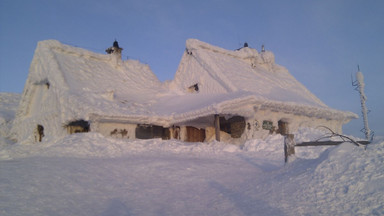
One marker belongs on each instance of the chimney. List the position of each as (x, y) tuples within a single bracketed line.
[(114, 49)]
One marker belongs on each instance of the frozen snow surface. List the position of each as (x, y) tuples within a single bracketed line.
[(89, 174)]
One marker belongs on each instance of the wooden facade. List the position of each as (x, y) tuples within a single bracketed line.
[(195, 134)]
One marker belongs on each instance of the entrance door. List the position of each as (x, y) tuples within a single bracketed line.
[(195, 135), (283, 127)]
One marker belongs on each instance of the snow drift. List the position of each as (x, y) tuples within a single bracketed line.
[(90, 174)]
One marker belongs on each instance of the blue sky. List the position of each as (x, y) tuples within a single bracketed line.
[(320, 42)]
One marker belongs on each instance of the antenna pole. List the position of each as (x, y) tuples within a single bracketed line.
[(360, 87)]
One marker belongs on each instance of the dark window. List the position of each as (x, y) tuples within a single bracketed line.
[(40, 133), (194, 88), (283, 127), (77, 126), (267, 125), (151, 131), (234, 126)]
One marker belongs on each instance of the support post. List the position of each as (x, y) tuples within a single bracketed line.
[(363, 98), (289, 146), (217, 127)]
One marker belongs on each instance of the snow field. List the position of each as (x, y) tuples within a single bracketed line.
[(88, 174)]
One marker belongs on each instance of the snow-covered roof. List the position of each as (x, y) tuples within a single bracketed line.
[(217, 70), (229, 82), (88, 82), (80, 70), (248, 76)]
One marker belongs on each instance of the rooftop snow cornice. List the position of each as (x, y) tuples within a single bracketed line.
[(243, 105), (243, 53), (57, 46)]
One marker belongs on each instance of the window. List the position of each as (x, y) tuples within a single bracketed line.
[(193, 88), (77, 126), (268, 125), (152, 131), (234, 126)]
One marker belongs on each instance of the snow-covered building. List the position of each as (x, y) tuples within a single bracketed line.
[(215, 94)]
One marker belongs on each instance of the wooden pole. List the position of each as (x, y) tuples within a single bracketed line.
[(289, 146), (217, 127)]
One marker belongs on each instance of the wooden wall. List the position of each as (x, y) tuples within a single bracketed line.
[(195, 134)]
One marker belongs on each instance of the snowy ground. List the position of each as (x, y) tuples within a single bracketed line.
[(88, 174)]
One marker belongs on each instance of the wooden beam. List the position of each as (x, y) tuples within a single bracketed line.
[(319, 143), (217, 127), (327, 143)]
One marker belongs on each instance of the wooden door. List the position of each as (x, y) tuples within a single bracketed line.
[(283, 127), (195, 134)]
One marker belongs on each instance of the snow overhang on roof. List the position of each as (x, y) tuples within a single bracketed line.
[(244, 53), (234, 104)]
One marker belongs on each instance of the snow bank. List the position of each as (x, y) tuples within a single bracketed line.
[(351, 177), (88, 174), (95, 145), (9, 103)]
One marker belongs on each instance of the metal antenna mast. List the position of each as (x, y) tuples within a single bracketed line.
[(359, 83)]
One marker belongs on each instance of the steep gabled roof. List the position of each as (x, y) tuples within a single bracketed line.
[(247, 78), (82, 71), (217, 70), (88, 82)]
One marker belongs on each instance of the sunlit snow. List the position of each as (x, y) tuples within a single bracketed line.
[(92, 174), (89, 174)]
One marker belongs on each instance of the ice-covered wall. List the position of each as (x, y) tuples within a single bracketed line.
[(41, 99), (294, 123), (117, 130)]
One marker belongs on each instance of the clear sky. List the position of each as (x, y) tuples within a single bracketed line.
[(319, 42)]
